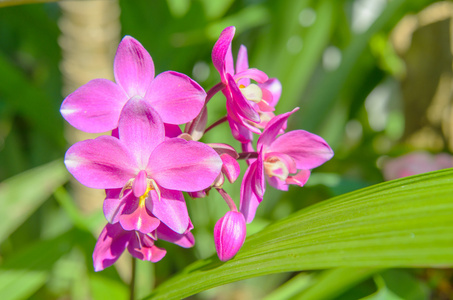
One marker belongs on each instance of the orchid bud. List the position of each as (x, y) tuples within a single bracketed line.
[(229, 235)]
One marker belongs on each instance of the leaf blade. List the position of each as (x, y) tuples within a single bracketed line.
[(404, 223)]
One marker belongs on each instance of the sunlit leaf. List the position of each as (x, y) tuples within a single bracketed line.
[(401, 223), (22, 194)]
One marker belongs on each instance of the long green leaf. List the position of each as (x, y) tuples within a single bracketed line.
[(22, 194), (401, 223)]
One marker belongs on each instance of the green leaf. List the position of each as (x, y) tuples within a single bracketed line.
[(292, 287), (25, 272), (383, 293), (106, 288), (400, 223), (327, 90), (338, 280), (30, 101), (22, 194)]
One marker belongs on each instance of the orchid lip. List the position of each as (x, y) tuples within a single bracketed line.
[(141, 186)]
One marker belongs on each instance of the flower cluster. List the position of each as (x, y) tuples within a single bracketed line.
[(147, 162)]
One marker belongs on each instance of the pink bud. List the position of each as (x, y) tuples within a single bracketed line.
[(229, 235)]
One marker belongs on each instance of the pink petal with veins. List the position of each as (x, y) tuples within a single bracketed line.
[(141, 129), (219, 52), (142, 247), (133, 67), (255, 74), (140, 219), (249, 199), (308, 150), (273, 128), (110, 245), (177, 98), (182, 165), (239, 103), (171, 209), (229, 235), (230, 167), (185, 240), (94, 107), (102, 163), (274, 87)]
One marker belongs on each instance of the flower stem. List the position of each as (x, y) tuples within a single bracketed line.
[(227, 199), (216, 123), (248, 155), (214, 90), (132, 283)]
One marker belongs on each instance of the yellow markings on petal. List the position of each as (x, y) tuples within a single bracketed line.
[(275, 167), (151, 185), (252, 92)]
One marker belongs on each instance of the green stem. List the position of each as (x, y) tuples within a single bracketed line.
[(216, 123), (132, 283)]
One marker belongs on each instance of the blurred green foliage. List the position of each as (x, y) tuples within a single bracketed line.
[(327, 67)]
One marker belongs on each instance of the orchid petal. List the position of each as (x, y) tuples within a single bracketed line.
[(229, 63), (224, 149), (308, 150), (198, 194), (277, 183), (182, 165), (110, 245), (102, 163), (240, 132), (249, 200), (133, 67), (274, 86), (140, 220), (219, 52), (171, 130), (140, 184), (171, 209), (273, 129), (284, 158), (141, 129), (94, 107), (252, 92), (240, 104), (258, 181), (185, 240), (255, 74), (177, 98), (114, 206), (300, 178), (142, 247), (230, 167), (242, 62)]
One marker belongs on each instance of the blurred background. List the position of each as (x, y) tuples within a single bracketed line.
[(372, 77)]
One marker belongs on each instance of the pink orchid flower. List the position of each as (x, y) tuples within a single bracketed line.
[(155, 168), (250, 106), (230, 168), (113, 240), (416, 162), (96, 106), (229, 235), (295, 152)]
